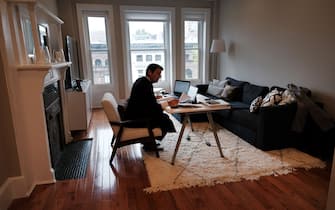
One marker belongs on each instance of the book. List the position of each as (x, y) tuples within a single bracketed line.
[(215, 102)]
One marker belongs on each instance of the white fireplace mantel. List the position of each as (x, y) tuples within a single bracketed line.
[(26, 75), (33, 148)]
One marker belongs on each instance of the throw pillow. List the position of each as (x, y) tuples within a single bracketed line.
[(215, 87), (287, 97), (256, 103), (219, 83), (230, 92), (214, 90), (272, 98)]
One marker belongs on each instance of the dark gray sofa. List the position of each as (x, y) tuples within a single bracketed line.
[(267, 129)]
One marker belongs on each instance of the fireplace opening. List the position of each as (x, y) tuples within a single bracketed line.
[(54, 121)]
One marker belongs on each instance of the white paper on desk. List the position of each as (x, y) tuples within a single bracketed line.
[(184, 98)]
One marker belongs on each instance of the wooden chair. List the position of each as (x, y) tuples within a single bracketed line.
[(123, 132)]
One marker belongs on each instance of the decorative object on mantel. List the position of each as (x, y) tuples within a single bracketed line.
[(47, 57), (58, 56), (200, 165)]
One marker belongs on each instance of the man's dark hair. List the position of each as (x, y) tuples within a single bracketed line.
[(152, 67)]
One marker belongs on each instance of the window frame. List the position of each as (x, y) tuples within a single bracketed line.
[(144, 13), (197, 14)]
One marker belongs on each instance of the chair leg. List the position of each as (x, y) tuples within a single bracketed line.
[(156, 149), (113, 154), (113, 139), (157, 153), (114, 150)]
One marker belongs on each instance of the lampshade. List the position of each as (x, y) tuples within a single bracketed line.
[(217, 46)]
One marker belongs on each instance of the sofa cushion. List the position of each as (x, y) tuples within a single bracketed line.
[(239, 105), (231, 93), (235, 82), (245, 118), (251, 91), (239, 84)]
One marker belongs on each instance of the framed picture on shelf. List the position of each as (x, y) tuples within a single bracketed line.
[(43, 35)]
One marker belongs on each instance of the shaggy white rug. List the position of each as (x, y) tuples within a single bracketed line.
[(197, 164)]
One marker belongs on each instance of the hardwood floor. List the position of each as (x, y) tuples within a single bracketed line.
[(121, 188)]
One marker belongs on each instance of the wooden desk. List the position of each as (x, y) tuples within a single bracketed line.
[(197, 109)]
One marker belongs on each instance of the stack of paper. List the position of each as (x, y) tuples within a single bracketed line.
[(215, 102)]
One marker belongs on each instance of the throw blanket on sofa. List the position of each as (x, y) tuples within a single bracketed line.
[(307, 106)]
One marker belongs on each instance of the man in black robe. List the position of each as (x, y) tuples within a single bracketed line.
[(142, 103)]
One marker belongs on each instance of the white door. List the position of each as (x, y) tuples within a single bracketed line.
[(95, 24)]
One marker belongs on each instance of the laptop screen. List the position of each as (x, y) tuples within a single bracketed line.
[(181, 86)]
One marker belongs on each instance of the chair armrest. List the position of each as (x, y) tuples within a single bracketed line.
[(140, 123)]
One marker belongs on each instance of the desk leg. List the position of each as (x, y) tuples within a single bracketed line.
[(186, 118), (190, 122), (210, 119)]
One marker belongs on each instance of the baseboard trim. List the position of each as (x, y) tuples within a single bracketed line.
[(15, 187)]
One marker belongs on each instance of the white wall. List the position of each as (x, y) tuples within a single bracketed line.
[(274, 42), (50, 5)]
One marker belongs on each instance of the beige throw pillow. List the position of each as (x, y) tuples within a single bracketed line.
[(215, 87), (229, 92)]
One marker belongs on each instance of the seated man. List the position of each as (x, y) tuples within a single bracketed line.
[(142, 103)]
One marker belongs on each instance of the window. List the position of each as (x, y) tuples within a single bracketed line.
[(195, 39), (148, 57), (189, 73), (140, 73), (98, 48), (97, 62), (148, 33), (158, 57), (139, 58)]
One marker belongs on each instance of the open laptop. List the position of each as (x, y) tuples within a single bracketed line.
[(181, 86), (190, 96)]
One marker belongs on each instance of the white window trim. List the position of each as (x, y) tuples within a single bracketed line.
[(171, 61), (97, 9), (195, 13)]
